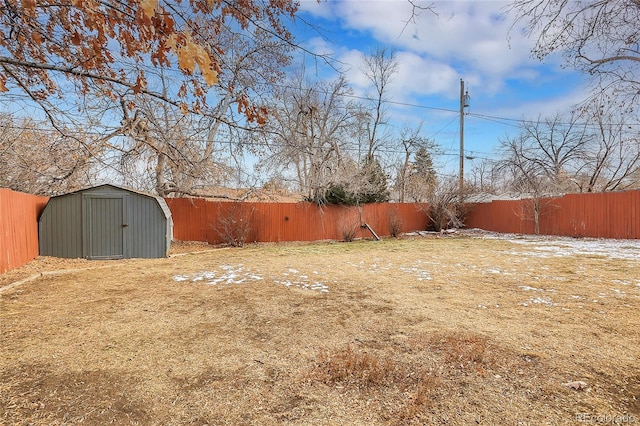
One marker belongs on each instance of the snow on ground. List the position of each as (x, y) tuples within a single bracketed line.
[(533, 246), (239, 274), (294, 278), (555, 246), (228, 274)]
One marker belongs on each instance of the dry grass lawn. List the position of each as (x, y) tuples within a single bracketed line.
[(452, 331)]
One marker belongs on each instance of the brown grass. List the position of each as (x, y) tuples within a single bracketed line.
[(411, 331)]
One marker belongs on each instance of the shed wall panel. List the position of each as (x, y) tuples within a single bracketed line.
[(147, 225), (61, 227)]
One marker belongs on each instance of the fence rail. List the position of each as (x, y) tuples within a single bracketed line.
[(606, 215), (19, 214)]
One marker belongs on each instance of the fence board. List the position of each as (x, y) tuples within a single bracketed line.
[(19, 214), (598, 215), (200, 220)]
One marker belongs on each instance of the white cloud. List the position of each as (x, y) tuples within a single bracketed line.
[(320, 46), (531, 110), (418, 75), (322, 9), (469, 36), (469, 40)]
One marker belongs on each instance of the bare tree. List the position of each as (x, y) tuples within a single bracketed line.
[(534, 186), (485, 178), (422, 180), (613, 155), (410, 141), (35, 158), (379, 68), (416, 177), (172, 150), (444, 208), (543, 161), (105, 65), (600, 37), (590, 150), (310, 131), (547, 154), (175, 152)]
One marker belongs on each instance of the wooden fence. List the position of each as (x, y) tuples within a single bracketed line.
[(18, 228), (200, 220), (600, 215), (606, 215)]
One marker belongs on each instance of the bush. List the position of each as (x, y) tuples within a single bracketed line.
[(349, 229), (236, 227), (338, 194), (395, 223)]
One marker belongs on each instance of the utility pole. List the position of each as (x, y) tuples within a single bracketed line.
[(464, 102)]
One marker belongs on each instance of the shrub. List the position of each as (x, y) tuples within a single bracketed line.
[(349, 229), (395, 223), (236, 227)]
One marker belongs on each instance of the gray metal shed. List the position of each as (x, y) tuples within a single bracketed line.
[(105, 222)]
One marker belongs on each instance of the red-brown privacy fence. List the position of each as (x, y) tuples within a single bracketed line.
[(18, 227), (601, 215), (607, 215), (200, 220)]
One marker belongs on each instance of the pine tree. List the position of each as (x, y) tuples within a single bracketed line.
[(422, 180), (374, 188)]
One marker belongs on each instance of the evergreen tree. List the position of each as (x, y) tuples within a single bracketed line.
[(369, 185), (423, 165), (422, 180), (374, 183)]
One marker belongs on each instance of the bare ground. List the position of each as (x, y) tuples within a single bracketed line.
[(415, 331)]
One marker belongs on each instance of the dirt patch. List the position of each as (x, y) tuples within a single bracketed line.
[(413, 331)]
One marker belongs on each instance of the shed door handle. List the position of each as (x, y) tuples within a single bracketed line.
[(124, 225)]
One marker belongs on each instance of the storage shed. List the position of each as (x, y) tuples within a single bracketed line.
[(105, 222)]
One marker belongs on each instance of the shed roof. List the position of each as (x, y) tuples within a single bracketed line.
[(161, 202)]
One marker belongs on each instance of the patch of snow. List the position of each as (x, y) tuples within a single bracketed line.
[(538, 301), (180, 278), (301, 281), (556, 246), (230, 275), (373, 266), (618, 292), (527, 288), (421, 273), (238, 274)]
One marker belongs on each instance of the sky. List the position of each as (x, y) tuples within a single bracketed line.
[(475, 41)]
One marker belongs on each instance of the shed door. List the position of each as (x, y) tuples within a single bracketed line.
[(104, 226)]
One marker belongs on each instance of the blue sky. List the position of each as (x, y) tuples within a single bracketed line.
[(469, 40)]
